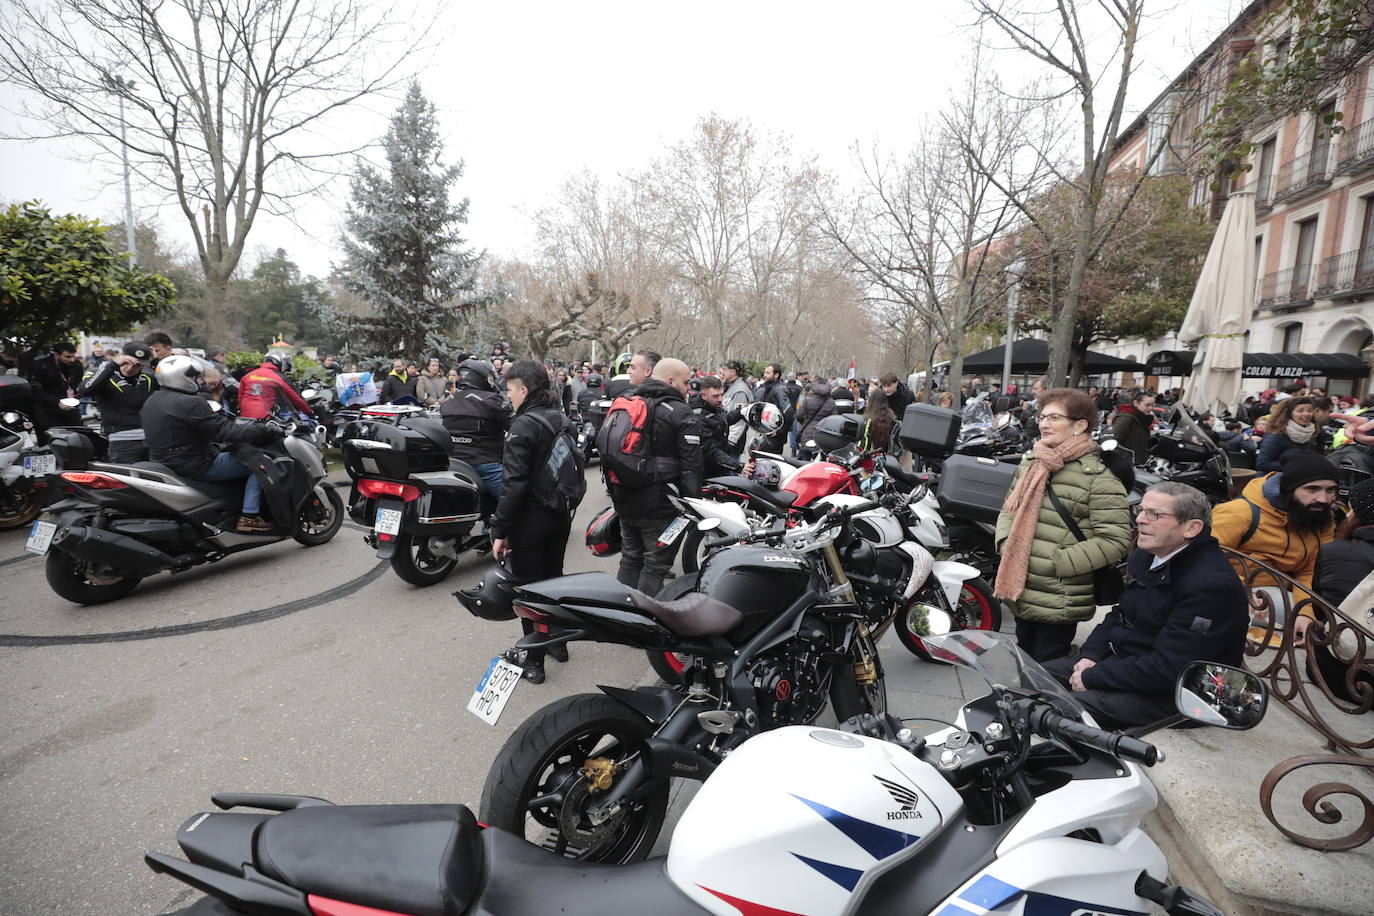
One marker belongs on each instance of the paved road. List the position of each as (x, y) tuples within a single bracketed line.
[(346, 683)]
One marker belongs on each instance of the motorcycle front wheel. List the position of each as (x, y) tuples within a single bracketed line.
[(320, 518), (555, 766), (976, 609), (415, 563)]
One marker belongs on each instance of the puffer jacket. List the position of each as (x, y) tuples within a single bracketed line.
[(1275, 448), (815, 407), (429, 387), (1059, 582), (1274, 543)]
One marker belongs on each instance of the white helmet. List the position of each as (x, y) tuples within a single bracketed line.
[(763, 417), (180, 373)]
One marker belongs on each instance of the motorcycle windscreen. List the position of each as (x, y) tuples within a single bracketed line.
[(997, 659)]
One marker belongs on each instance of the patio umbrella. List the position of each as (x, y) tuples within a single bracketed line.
[(1220, 311)]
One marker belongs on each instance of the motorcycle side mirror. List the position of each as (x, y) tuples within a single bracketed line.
[(70, 403), (216, 406), (309, 393), (810, 443), (708, 524), (938, 622), (1221, 695)]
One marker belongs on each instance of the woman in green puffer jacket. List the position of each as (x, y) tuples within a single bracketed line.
[(1044, 569)]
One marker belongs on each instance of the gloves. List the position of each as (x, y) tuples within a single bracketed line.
[(267, 435)]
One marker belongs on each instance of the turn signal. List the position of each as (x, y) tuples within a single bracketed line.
[(374, 489), (94, 481)]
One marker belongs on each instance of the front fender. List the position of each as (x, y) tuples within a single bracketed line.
[(952, 575)]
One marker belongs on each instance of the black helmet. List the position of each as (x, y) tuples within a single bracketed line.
[(477, 373), (279, 359), (491, 598), (594, 380)]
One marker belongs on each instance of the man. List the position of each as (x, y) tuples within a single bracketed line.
[(120, 388), (632, 373), (160, 345), (644, 511), (736, 397), (54, 378), (899, 398), (795, 389), (1183, 604), (773, 390), (715, 429), (1132, 423), (476, 418), (399, 383), (216, 357), (331, 367), (265, 388), (815, 407)]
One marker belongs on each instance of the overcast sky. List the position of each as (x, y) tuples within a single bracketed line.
[(531, 92)]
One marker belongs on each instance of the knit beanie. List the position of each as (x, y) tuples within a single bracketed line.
[(1362, 501), (1303, 468)]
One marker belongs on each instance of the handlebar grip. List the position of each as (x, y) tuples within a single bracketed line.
[(1053, 725), (720, 540)]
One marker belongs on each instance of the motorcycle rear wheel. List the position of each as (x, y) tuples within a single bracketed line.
[(73, 579), (977, 610), (18, 509), (414, 563), (536, 788)]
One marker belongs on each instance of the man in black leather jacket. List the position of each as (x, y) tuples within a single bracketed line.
[(54, 377), (675, 437), (774, 391), (476, 418), (120, 387), (717, 459)]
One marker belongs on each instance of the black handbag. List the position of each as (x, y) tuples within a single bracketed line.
[(1107, 582)]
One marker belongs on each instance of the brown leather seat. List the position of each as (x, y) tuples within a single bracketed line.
[(694, 614)]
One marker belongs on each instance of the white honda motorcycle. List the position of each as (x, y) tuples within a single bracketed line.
[(1022, 806)]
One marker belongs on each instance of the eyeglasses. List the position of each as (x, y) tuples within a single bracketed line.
[(1056, 417), (1150, 515)]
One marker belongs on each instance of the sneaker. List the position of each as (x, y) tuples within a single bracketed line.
[(558, 653), (252, 524), (1257, 635)]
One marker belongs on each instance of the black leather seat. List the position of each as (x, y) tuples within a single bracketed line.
[(778, 499), (694, 614), (215, 489), (893, 468), (424, 860)]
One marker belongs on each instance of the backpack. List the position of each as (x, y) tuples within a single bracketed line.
[(625, 442), (564, 484)]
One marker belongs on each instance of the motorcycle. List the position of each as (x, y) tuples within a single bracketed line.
[(23, 465), (1180, 450), (420, 503), (772, 633), (589, 424), (324, 403), (119, 523), (1021, 805)]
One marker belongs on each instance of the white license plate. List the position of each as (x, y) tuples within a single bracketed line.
[(673, 531), (40, 537), (388, 521), (494, 690), (39, 465)]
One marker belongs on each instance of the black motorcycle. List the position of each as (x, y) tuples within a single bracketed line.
[(770, 634), (589, 424), (24, 465), (421, 503)]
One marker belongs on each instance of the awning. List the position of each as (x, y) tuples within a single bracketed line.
[(1267, 365), (1030, 355)]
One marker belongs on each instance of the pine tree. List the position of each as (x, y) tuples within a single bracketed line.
[(404, 253)]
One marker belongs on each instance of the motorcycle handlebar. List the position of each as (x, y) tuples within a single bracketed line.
[(1047, 723)]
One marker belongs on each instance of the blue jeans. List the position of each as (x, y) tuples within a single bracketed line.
[(226, 467), (491, 477)]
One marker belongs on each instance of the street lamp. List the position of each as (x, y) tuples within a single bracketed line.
[(1016, 270), (120, 87)]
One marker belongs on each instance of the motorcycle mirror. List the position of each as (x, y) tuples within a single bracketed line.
[(810, 443), (1108, 445), (10, 417), (938, 622), (708, 524), (70, 403), (216, 406), (309, 393), (1221, 695)]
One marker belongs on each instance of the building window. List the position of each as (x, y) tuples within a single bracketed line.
[(1321, 137), (1364, 261), (1292, 339), (1281, 49), (1302, 260), (1264, 184)]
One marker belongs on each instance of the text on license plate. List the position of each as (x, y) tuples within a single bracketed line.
[(494, 690), (671, 533), (40, 537), (39, 465), (388, 521)]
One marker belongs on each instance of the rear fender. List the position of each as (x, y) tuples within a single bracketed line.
[(653, 703)]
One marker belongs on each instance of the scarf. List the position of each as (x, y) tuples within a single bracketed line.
[(1298, 433), (1023, 503)]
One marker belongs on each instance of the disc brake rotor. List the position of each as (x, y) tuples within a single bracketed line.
[(575, 826)]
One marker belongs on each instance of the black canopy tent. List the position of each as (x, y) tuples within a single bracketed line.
[(1267, 365), (1030, 356)]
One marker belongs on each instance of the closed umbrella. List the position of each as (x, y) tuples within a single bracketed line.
[(1220, 311)]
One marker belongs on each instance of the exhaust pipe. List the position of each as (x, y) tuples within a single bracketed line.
[(108, 548)]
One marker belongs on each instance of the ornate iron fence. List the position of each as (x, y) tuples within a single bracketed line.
[(1327, 682)]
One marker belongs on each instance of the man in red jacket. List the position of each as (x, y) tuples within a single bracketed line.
[(264, 387)]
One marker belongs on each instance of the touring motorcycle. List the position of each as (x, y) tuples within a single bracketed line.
[(1022, 805)]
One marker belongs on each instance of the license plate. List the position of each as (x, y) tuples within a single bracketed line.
[(40, 537), (388, 521), (671, 533), (40, 464), (494, 690)]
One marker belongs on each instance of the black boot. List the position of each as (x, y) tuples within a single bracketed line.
[(534, 671), (558, 653)]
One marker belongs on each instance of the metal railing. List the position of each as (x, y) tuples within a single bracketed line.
[(1350, 273), (1302, 174), (1285, 287), (1355, 152), (1328, 683)]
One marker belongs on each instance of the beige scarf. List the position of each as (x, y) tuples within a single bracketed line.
[(1023, 502)]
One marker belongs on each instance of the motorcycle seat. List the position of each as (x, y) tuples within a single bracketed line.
[(215, 489), (694, 614), (779, 499), (894, 467), (424, 860)]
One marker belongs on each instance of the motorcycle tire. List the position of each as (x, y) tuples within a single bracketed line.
[(70, 579), (670, 666), (18, 509), (692, 553), (416, 565), (545, 756), (977, 610), (313, 528)]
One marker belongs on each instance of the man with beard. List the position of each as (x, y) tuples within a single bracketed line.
[(1283, 518)]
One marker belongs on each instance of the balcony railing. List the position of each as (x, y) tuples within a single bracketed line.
[(1303, 174), (1356, 150), (1347, 275), (1285, 288)]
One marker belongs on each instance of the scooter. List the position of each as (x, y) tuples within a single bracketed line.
[(1022, 805), (119, 523), (23, 465)]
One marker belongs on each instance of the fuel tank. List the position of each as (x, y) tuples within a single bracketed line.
[(759, 582), (820, 478)]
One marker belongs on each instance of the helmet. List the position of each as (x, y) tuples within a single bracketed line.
[(491, 598), (622, 364), (603, 534), (763, 417), (767, 473), (280, 359), (594, 380), (477, 373), (180, 373)]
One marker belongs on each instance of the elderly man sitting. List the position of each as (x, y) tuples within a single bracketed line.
[(1183, 604)]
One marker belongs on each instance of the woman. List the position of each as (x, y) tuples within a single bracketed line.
[(1045, 569), (1345, 577), (878, 422), (451, 386), (946, 400), (531, 534), (1291, 429), (563, 389), (217, 390)]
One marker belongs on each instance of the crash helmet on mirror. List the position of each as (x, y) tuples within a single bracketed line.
[(279, 359), (491, 599), (180, 373), (477, 373), (763, 417)]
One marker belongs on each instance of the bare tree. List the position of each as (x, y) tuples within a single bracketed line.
[(222, 99)]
